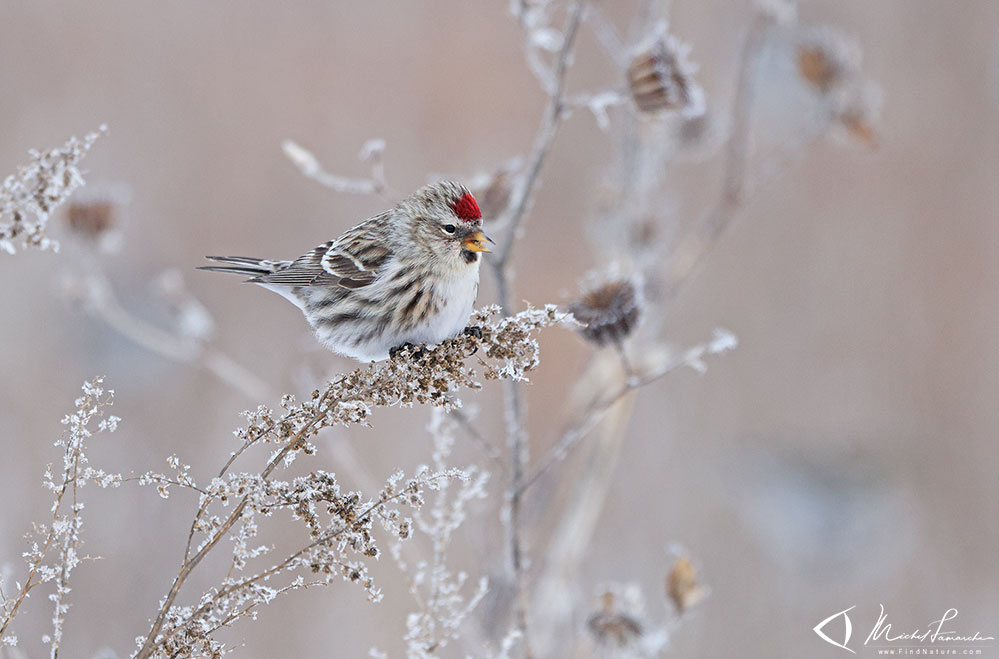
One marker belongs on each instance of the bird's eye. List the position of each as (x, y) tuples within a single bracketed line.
[(449, 228)]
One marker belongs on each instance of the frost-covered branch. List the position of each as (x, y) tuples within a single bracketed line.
[(533, 19), (505, 350), (189, 344), (443, 601), (372, 152), (29, 196), (523, 193), (693, 357), (52, 555)]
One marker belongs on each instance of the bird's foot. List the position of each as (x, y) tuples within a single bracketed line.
[(475, 332), (415, 351)]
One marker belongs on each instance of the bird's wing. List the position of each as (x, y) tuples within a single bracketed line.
[(352, 261)]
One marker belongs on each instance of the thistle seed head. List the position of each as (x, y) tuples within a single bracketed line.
[(661, 78), (91, 218), (609, 312), (610, 626), (682, 586), (827, 58)]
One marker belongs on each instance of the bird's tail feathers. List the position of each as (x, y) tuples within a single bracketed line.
[(241, 265)]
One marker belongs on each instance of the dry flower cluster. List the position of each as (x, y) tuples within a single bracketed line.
[(339, 524), (443, 601), (52, 554), (661, 77), (29, 196), (829, 60)]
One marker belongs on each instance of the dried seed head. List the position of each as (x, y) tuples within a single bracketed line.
[(94, 213), (612, 627), (610, 311), (662, 78), (91, 218), (682, 586), (857, 111), (827, 58), (816, 67)]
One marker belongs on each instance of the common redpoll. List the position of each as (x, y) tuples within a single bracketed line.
[(406, 276)]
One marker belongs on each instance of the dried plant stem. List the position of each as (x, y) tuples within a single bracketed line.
[(515, 406), (69, 543), (578, 517), (310, 167), (699, 240), (246, 610), (102, 302), (606, 34), (279, 567), (33, 572), (602, 402), (517, 448), (490, 451), (68, 480), (611, 410), (191, 563), (523, 195), (594, 413)]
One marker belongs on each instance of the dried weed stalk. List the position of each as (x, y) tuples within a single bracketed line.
[(442, 598), (29, 196), (53, 552), (339, 524)]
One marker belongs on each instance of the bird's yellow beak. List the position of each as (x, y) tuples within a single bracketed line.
[(476, 242)]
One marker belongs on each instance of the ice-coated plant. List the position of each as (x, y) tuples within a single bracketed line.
[(52, 552), (30, 195)]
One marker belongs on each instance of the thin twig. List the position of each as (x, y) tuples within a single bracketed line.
[(596, 410), (519, 206), (103, 303), (70, 471), (699, 240), (189, 564), (165, 481), (275, 569), (524, 193), (310, 167), (490, 451)]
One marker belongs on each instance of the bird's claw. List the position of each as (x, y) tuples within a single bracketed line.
[(415, 351), (473, 331)]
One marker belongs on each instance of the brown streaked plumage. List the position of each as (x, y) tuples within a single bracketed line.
[(408, 275)]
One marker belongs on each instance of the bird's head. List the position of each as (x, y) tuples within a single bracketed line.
[(447, 221)]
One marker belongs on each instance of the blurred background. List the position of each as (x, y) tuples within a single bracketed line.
[(845, 453)]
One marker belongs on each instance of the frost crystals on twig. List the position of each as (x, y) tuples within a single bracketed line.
[(339, 523), (53, 553), (28, 197), (371, 152), (442, 601), (693, 357)]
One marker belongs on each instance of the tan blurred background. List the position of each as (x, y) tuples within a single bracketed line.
[(844, 454)]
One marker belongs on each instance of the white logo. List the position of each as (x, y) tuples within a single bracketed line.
[(909, 640), (846, 621)]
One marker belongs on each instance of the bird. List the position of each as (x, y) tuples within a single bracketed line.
[(405, 277)]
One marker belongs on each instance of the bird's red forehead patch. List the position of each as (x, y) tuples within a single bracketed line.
[(466, 208)]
